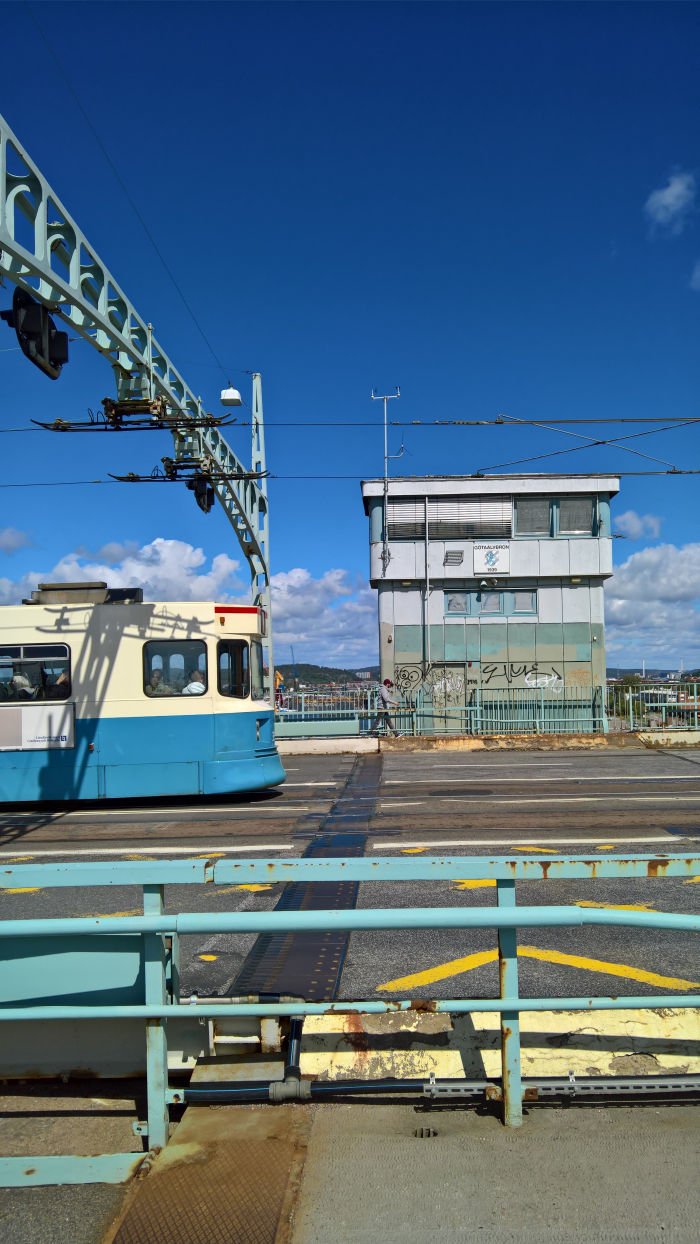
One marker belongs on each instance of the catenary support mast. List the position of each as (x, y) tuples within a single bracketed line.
[(44, 252)]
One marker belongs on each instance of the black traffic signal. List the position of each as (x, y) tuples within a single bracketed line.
[(37, 334), (203, 491)]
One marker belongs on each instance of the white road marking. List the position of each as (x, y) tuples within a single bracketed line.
[(52, 818), (656, 777), (21, 853), (506, 764), (394, 803), (690, 797), (288, 784), (513, 842)]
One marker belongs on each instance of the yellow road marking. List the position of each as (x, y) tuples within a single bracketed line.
[(19, 859), (606, 846), (610, 969), (413, 850), (453, 968), (138, 857), (208, 958), (253, 888), (544, 850), (457, 966), (30, 889), (210, 855), (472, 885), (581, 902), (109, 915), (692, 881)]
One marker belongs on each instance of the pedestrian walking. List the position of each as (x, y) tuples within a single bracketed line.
[(386, 702)]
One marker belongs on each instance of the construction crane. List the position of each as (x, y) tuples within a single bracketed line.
[(58, 276)]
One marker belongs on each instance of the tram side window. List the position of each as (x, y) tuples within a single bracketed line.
[(174, 667), (234, 668), (34, 672)]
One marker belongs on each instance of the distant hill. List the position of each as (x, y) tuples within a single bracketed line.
[(314, 675)]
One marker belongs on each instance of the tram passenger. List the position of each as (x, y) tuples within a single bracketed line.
[(21, 688), (195, 684), (156, 686), (61, 688)]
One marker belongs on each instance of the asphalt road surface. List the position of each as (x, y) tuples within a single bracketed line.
[(637, 801)]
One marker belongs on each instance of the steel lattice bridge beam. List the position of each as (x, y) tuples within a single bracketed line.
[(43, 251)]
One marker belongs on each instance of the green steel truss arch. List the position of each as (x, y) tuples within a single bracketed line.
[(43, 251)]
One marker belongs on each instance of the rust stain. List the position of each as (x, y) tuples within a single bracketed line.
[(657, 867), (31, 1170), (545, 866), (423, 1004), (355, 1035)]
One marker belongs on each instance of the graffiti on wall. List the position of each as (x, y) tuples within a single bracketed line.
[(408, 678), (509, 672), (448, 684), (443, 683)]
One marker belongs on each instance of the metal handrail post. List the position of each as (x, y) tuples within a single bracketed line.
[(511, 1074), (156, 1038)]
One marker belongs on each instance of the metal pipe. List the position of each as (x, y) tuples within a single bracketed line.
[(292, 1067), (369, 1006), (378, 918), (453, 1089), (316, 1090), (420, 868)]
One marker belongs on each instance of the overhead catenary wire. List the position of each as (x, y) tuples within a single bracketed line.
[(672, 421), (590, 443), (76, 483)]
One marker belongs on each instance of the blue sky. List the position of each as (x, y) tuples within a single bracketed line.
[(494, 206)]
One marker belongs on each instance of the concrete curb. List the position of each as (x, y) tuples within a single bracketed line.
[(507, 742)]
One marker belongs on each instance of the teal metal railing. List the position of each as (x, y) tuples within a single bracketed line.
[(36, 994), (551, 709)]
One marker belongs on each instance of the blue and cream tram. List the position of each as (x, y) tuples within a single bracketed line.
[(103, 696)]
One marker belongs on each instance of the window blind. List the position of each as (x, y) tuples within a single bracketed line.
[(450, 518)]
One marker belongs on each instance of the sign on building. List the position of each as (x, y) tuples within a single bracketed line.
[(491, 559)]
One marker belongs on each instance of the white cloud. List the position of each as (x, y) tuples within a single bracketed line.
[(328, 620), (695, 277), (636, 525), (669, 207), (166, 569), (651, 607), (11, 539), (661, 573)]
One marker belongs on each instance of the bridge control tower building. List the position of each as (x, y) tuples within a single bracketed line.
[(490, 584)]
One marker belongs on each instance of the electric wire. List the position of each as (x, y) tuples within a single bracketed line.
[(75, 483), (590, 443), (672, 421)]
